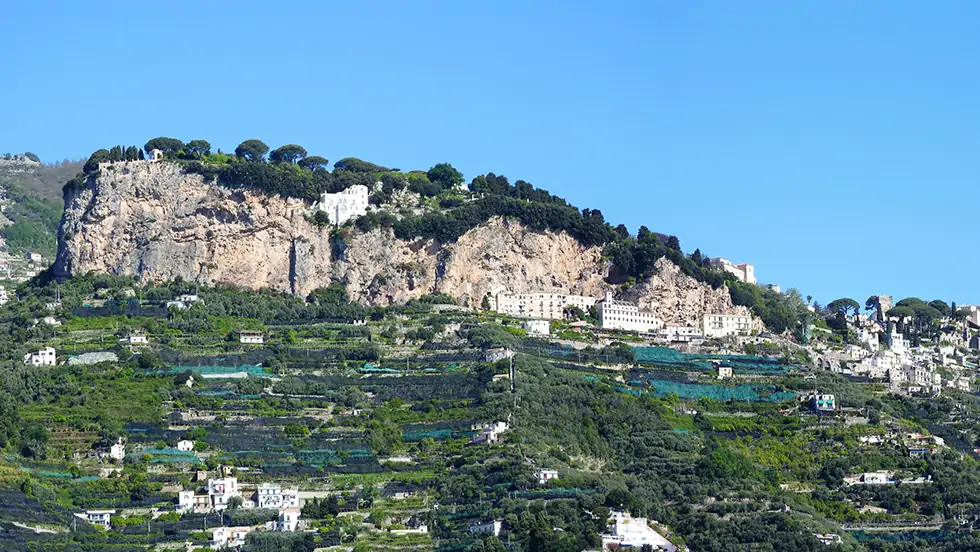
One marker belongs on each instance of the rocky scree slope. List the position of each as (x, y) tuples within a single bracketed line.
[(153, 221)]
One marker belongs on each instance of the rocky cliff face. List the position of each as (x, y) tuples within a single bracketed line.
[(153, 221)]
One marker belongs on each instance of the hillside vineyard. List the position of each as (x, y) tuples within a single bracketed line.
[(263, 351)]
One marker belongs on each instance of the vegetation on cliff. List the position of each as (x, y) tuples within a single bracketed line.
[(289, 171)]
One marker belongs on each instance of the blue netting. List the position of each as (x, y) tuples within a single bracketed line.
[(747, 393)]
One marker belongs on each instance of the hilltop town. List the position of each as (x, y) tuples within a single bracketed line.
[(292, 357)]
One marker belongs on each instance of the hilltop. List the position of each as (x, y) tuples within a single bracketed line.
[(253, 350), (254, 222)]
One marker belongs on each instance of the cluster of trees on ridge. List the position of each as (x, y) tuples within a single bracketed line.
[(914, 317)]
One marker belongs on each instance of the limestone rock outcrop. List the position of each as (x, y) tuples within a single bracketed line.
[(153, 221)]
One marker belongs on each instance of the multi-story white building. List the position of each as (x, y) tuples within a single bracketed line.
[(345, 205), (221, 491), (623, 315), (288, 520), (744, 272), (118, 450), (897, 342), (4, 298), (879, 365), (185, 445), (45, 357), (270, 495), (722, 325), (541, 304)]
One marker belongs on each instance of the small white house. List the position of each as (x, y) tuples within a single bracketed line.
[(537, 327), (493, 355), (137, 338), (288, 520), (489, 434), (118, 450), (3, 296), (725, 372), (101, 518), (229, 536), (489, 527), (251, 338), (44, 357), (185, 445), (185, 501), (545, 476)]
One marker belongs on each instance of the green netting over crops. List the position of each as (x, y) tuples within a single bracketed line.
[(747, 393), (665, 356), (322, 457), (170, 455), (221, 371)]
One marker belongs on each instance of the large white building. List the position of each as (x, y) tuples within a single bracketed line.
[(722, 325), (270, 495), (222, 490), (345, 205), (623, 315), (44, 357), (628, 531), (744, 272), (541, 304)]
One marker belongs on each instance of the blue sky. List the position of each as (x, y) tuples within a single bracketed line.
[(833, 145)]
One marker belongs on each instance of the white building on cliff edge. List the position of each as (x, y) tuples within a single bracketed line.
[(345, 205), (744, 271)]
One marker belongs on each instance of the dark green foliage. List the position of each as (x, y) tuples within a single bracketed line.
[(98, 156), (32, 156), (354, 164), (252, 150), (290, 153), (488, 336), (195, 149), (166, 145), (445, 175), (313, 163), (284, 179), (35, 224)]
